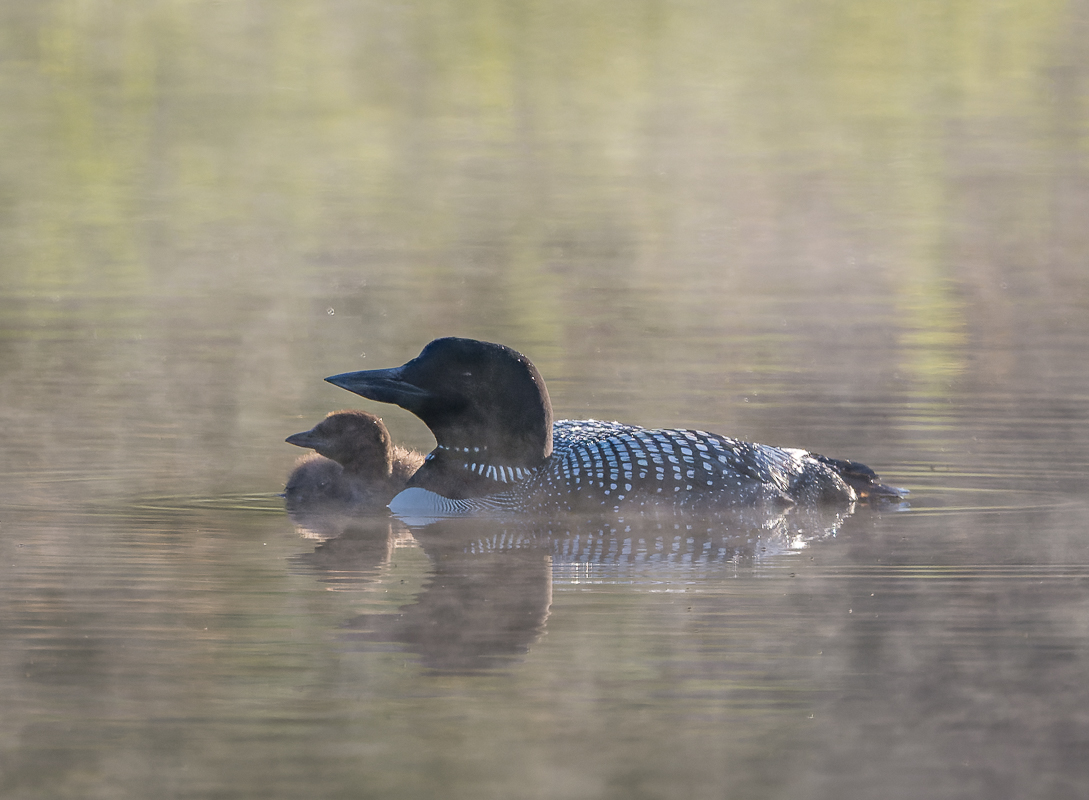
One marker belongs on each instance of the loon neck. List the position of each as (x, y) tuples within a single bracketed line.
[(478, 461), (468, 471)]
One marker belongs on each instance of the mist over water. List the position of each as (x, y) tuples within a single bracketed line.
[(851, 227)]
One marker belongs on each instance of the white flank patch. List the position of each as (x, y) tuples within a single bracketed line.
[(416, 506)]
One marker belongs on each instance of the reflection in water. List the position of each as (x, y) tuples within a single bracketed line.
[(478, 609), (489, 590), (357, 544)]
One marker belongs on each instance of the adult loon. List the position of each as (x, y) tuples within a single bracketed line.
[(497, 447), (355, 465)]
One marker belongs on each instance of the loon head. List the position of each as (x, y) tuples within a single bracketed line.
[(486, 404), (357, 440)]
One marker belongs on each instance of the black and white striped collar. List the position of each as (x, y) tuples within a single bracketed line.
[(475, 460)]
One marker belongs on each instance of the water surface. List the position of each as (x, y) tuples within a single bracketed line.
[(852, 228)]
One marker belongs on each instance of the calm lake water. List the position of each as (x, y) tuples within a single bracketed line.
[(853, 227)]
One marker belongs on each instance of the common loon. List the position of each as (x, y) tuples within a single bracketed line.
[(355, 464), (497, 448)]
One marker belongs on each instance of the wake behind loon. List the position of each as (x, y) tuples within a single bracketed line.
[(497, 447)]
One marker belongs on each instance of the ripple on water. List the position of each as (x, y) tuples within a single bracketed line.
[(262, 502)]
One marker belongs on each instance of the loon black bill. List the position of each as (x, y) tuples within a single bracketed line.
[(381, 385)]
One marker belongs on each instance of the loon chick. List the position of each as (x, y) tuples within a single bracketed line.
[(497, 447), (355, 464)]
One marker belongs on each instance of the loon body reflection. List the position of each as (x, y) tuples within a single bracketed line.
[(355, 464), (497, 448)]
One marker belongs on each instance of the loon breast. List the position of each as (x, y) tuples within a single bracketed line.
[(418, 506)]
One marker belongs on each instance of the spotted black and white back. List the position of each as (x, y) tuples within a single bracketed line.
[(612, 466)]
